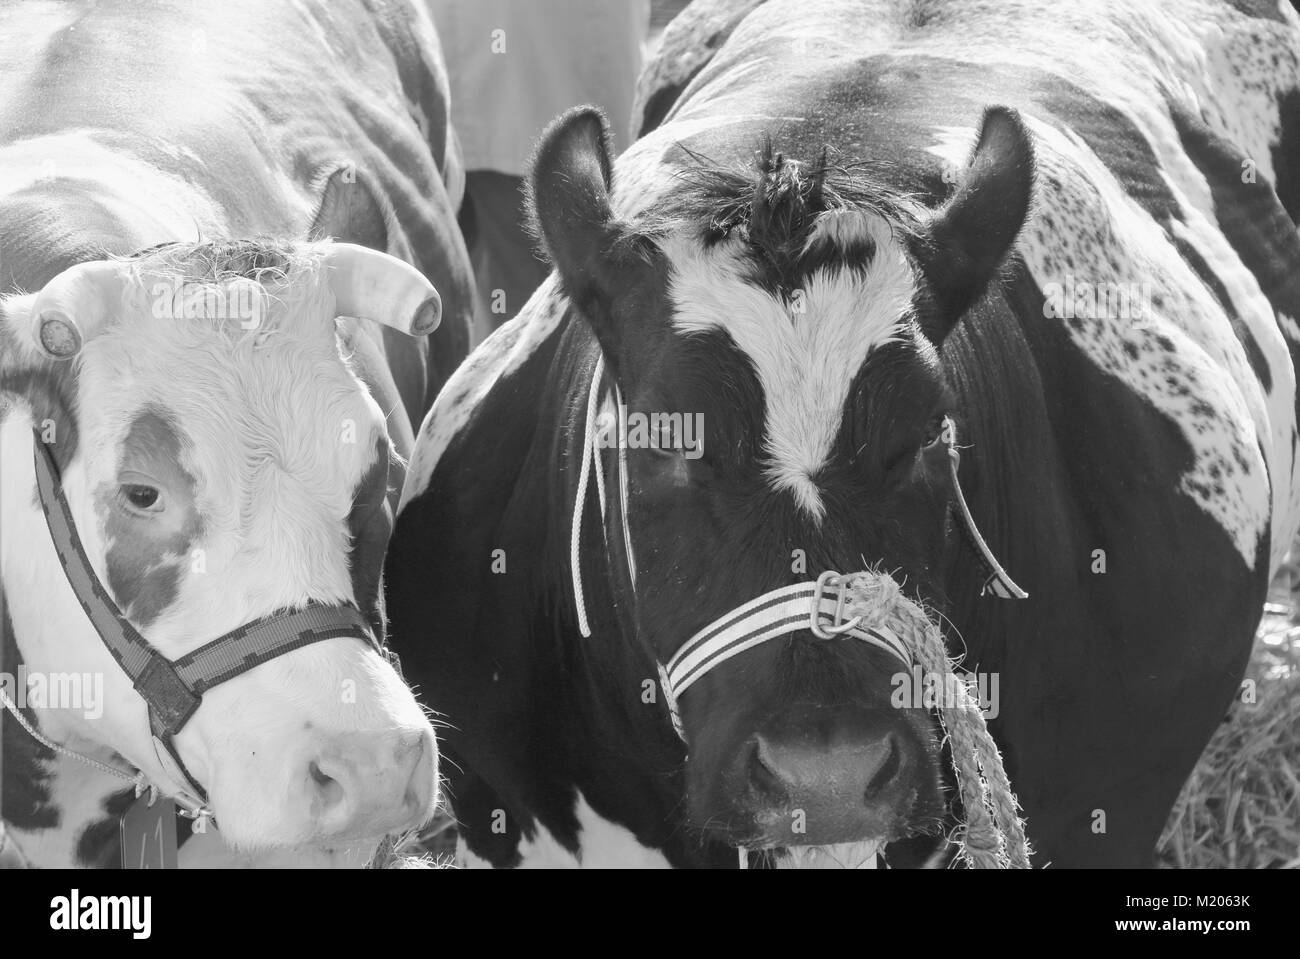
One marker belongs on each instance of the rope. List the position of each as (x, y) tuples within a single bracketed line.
[(993, 836), (138, 779), (997, 581)]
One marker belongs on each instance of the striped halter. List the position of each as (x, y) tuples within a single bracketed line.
[(817, 606)]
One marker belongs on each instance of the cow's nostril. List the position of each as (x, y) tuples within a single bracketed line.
[(328, 788), (368, 784), (764, 771), (890, 765)]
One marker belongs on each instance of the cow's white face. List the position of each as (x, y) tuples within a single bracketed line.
[(215, 472)]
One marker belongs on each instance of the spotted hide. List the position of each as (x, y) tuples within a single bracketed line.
[(1070, 226)]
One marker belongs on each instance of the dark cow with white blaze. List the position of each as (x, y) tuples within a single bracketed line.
[(229, 419), (1068, 227)]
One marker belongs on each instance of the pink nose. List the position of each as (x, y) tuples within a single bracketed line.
[(364, 785)]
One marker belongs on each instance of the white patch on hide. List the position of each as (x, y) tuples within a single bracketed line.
[(805, 352), (79, 792), (602, 845)]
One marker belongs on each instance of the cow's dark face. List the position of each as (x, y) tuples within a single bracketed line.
[(776, 350), (794, 742)]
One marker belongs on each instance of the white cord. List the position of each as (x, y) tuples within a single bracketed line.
[(597, 465), (999, 582), (138, 779), (580, 502), (622, 482)]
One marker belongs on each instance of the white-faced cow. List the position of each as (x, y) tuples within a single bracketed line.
[(1057, 237), (204, 439)]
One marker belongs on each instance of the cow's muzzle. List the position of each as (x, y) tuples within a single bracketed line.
[(820, 777)]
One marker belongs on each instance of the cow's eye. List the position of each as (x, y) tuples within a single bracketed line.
[(664, 440), (142, 498), (933, 433)]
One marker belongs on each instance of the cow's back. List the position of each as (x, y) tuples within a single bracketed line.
[(1166, 146), (229, 117)]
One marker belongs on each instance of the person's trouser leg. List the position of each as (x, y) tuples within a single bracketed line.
[(505, 265)]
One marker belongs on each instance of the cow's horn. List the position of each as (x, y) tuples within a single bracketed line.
[(74, 306), (375, 286)]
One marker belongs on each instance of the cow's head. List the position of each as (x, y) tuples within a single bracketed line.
[(800, 311), (223, 461)]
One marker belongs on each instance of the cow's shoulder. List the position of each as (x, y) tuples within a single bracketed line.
[(512, 360)]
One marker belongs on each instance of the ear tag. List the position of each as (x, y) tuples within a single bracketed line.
[(149, 833)]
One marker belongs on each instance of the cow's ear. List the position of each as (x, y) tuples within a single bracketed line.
[(351, 211), (964, 243), (34, 367), (25, 344), (370, 524), (568, 193)]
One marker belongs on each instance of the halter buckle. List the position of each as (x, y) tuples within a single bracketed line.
[(170, 698), (839, 624)]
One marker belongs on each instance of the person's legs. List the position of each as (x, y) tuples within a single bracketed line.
[(507, 269)]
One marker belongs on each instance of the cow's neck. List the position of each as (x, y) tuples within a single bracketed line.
[(60, 812), (612, 756), (78, 824), (556, 755), (1024, 500), (619, 743)]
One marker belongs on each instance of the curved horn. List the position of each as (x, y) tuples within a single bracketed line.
[(375, 286), (74, 306)]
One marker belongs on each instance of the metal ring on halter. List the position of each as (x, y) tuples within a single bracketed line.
[(814, 617)]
